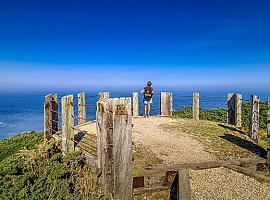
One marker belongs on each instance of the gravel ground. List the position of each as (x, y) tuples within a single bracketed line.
[(221, 183), (178, 147), (171, 147)]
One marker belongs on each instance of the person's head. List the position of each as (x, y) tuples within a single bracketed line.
[(149, 83)]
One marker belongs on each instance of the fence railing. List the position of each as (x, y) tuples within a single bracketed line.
[(110, 148)]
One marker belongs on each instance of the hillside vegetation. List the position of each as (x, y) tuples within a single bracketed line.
[(32, 170)]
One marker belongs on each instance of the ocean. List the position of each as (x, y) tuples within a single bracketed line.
[(23, 111)]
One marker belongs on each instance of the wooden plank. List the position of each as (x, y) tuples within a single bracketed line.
[(67, 123), (122, 148), (166, 104), (135, 104), (103, 95), (50, 116), (196, 105), (254, 118), (81, 108), (198, 166), (140, 191), (183, 189), (268, 137)]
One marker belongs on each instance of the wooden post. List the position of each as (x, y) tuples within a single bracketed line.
[(114, 138), (268, 102), (235, 109), (238, 112), (254, 118), (196, 105), (81, 108), (183, 189), (103, 95), (122, 148), (105, 144), (135, 104), (67, 123), (50, 116), (268, 137), (166, 104)]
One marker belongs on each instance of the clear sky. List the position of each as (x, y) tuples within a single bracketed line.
[(202, 44)]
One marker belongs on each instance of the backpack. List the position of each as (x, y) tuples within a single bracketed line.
[(148, 92)]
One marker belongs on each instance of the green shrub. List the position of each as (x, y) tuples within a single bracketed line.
[(44, 172), (220, 114), (12, 145)]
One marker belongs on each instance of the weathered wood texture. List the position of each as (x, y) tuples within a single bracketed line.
[(135, 104), (268, 137), (81, 108), (50, 116), (67, 123), (183, 189), (114, 142), (196, 105), (166, 104), (235, 109), (103, 95), (105, 144), (254, 118), (122, 148)]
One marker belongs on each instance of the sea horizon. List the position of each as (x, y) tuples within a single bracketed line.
[(23, 111)]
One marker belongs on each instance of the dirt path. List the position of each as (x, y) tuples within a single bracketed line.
[(171, 147)]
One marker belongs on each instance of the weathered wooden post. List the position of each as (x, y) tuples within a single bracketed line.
[(81, 108), (50, 116), (235, 109), (254, 118), (103, 95), (268, 137), (67, 123), (114, 136), (183, 189), (166, 104), (135, 104), (196, 105), (122, 148)]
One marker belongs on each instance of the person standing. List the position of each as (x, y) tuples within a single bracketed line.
[(148, 93)]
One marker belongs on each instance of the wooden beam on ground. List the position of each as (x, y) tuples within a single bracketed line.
[(254, 118), (135, 104), (103, 95), (50, 116), (196, 105), (68, 123), (81, 108), (166, 104), (122, 148), (268, 137)]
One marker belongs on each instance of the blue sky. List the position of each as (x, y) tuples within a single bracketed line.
[(214, 44)]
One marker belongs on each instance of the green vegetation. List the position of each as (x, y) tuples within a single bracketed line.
[(14, 144), (220, 114), (32, 171)]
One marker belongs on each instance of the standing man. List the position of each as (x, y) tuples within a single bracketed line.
[(148, 93)]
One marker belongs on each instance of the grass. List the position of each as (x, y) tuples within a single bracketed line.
[(220, 115)]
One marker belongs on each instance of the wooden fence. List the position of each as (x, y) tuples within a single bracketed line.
[(110, 149)]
